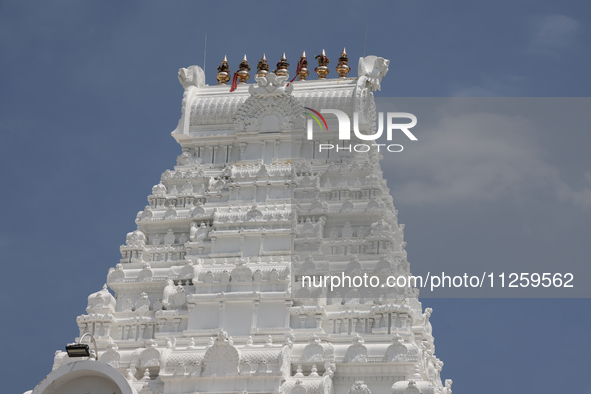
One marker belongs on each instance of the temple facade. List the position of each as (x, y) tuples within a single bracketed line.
[(225, 285)]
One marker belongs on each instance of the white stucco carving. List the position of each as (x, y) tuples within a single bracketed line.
[(221, 359), (371, 71), (208, 295), (275, 111)]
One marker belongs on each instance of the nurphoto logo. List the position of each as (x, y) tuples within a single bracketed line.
[(345, 129)]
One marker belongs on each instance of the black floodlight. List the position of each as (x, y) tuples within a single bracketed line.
[(81, 349), (78, 350)]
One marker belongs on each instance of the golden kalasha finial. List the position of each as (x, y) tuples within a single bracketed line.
[(282, 67), (223, 72), (303, 67), (322, 69), (243, 70), (262, 67), (342, 68)]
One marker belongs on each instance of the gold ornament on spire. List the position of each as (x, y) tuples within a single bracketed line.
[(322, 69), (343, 68), (303, 73), (223, 72), (282, 67), (243, 70), (262, 67)]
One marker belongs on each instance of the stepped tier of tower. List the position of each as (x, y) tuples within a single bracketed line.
[(210, 293)]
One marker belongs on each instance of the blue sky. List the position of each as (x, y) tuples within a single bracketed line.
[(89, 95)]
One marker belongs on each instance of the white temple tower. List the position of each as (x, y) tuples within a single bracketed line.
[(208, 296)]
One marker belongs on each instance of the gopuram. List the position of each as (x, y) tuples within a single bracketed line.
[(220, 289)]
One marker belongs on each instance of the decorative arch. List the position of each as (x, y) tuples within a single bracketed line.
[(241, 274), (94, 372), (221, 359), (313, 350), (396, 352), (280, 112), (357, 352)]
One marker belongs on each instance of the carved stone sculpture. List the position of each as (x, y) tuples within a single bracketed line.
[(143, 304), (169, 237)]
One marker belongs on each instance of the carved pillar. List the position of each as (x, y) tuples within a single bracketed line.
[(263, 145), (161, 323), (388, 322), (228, 153), (214, 153), (213, 239), (338, 328), (210, 149), (288, 304), (242, 149), (255, 313), (261, 245), (177, 324), (82, 328), (222, 306), (276, 150), (142, 329), (298, 148), (403, 320), (134, 332), (331, 326), (107, 329), (394, 318), (126, 332), (303, 319), (377, 319), (318, 319), (353, 326), (254, 198)]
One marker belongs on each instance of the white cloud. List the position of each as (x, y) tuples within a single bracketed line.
[(474, 156), (489, 86), (550, 34)]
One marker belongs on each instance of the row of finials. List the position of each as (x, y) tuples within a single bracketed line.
[(242, 75)]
